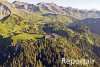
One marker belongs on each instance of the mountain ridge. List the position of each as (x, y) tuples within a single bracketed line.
[(53, 8), (8, 8), (73, 12), (92, 23)]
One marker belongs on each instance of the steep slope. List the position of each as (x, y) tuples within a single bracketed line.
[(25, 6), (55, 9), (32, 39), (7, 8), (58, 41), (92, 23), (28, 8), (43, 7), (81, 14), (4, 11), (59, 18), (69, 11), (51, 8)]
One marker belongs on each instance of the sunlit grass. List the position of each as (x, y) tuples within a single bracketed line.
[(25, 36)]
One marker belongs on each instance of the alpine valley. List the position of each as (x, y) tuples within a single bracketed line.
[(40, 35)]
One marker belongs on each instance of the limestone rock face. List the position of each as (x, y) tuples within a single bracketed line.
[(4, 11), (25, 6), (7, 8)]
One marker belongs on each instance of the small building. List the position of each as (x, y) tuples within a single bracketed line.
[(50, 36)]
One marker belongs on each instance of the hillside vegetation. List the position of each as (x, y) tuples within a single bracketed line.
[(36, 38)]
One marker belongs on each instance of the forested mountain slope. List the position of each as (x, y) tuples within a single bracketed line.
[(40, 36)]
